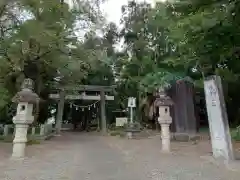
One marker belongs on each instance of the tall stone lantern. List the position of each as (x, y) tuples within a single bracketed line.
[(25, 100), (163, 102)]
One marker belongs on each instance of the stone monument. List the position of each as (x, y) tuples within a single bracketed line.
[(25, 99), (217, 118), (184, 117), (164, 102)]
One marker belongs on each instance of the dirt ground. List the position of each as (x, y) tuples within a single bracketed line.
[(80, 156)]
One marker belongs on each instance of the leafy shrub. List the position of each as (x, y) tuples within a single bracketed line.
[(235, 134)]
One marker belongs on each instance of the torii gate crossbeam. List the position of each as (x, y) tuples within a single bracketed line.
[(62, 96)]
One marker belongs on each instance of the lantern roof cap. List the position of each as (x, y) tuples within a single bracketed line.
[(26, 94), (163, 100)]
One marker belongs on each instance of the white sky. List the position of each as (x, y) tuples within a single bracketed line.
[(112, 9)]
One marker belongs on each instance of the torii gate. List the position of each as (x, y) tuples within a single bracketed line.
[(62, 96)]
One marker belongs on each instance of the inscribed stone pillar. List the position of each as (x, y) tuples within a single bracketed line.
[(218, 119), (103, 112), (184, 112), (60, 109)]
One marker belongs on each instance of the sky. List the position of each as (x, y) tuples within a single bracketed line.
[(112, 9)]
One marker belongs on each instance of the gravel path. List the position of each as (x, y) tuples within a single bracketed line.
[(75, 156)]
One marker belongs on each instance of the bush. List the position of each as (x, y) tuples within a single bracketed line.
[(235, 134), (1, 130), (32, 142)]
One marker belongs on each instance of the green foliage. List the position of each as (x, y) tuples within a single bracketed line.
[(178, 40), (40, 40), (33, 142), (191, 37), (5, 97), (161, 79), (235, 134), (45, 44)]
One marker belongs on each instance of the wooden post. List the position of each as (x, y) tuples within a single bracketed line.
[(98, 119), (42, 130), (6, 129), (60, 112), (14, 130), (103, 112), (33, 130)]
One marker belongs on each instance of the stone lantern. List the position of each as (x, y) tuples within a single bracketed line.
[(25, 100), (163, 102)]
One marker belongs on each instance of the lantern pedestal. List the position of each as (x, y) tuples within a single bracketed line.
[(20, 140), (165, 133)]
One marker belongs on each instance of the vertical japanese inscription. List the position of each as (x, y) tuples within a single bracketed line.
[(213, 94)]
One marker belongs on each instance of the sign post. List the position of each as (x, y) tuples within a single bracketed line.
[(131, 128), (131, 105)]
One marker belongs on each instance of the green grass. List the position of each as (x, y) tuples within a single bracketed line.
[(204, 129), (121, 131), (1, 138), (117, 133), (37, 130), (33, 142), (9, 139), (235, 132)]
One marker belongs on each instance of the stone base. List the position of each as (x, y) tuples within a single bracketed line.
[(57, 135), (12, 158), (18, 149), (130, 135), (185, 137)]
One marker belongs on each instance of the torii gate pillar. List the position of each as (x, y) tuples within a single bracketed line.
[(60, 109), (103, 112)]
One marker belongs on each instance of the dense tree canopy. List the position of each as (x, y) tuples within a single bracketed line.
[(41, 40), (43, 43), (186, 38), (171, 41)]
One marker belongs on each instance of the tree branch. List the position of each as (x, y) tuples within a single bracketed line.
[(42, 55), (3, 8)]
